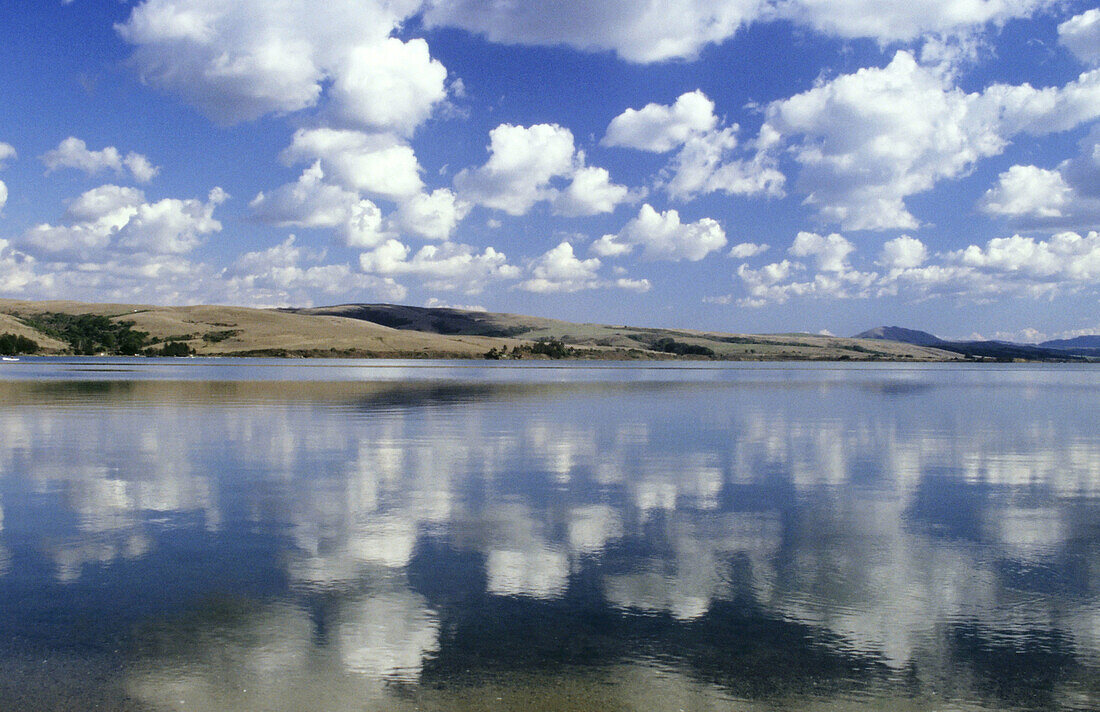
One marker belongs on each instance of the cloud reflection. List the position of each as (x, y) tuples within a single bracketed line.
[(883, 521)]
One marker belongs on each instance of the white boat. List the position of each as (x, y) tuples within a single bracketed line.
[(8, 358)]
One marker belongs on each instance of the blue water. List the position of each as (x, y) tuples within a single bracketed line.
[(346, 535)]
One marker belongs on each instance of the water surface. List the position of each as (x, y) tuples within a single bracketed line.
[(267, 535)]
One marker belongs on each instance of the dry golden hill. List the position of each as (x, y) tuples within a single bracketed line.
[(393, 331)]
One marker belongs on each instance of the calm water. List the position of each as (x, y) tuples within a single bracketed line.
[(253, 535)]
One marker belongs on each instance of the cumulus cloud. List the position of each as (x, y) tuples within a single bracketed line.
[(866, 141), (704, 161), (902, 20), (1016, 265), (1065, 257), (238, 61), (1027, 191), (74, 153), (744, 250), (653, 31), (448, 266), (835, 277), (662, 236), (118, 246), (390, 85), (647, 31), (659, 128), (7, 152), (1068, 196), (903, 252), (522, 161), (17, 269), (432, 216), (283, 274), (633, 285), (378, 164), (829, 252), (119, 218), (1081, 34), (560, 270), (313, 202), (310, 202), (591, 192)]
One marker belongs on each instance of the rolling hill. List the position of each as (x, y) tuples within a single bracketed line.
[(1072, 349), (396, 331)]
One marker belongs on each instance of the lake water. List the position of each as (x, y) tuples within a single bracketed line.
[(255, 535)]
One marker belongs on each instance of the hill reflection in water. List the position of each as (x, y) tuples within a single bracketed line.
[(803, 540)]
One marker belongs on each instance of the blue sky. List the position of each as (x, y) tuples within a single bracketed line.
[(740, 165)]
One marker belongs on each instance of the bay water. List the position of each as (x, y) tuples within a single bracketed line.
[(436, 535)]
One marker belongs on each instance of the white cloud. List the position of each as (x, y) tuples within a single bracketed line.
[(1081, 34), (432, 216), (284, 274), (835, 277), (653, 31), (610, 246), (448, 266), (744, 250), (633, 285), (436, 303), (1066, 197), (559, 270), (238, 61), (17, 270), (767, 285), (117, 218), (311, 202), (903, 252), (74, 153), (704, 163), (901, 20), (658, 128), (365, 226), (281, 275), (829, 252), (591, 192), (1016, 265), (866, 141), (378, 164), (7, 153), (522, 161), (140, 167), (1027, 191), (663, 236), (647, 31), (1065, 257), (308, 202), (392, 85), (1083, 171)]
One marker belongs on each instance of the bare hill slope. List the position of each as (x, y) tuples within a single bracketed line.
[(395, 331)]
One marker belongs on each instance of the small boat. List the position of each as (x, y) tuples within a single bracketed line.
[(8, 358)]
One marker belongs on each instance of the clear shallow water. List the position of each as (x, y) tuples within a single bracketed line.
[(258, 535)]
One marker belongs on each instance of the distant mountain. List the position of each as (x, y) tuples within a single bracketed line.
[(997, 350), (897, 333), (1092, 341)]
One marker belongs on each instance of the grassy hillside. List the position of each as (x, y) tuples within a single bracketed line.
[(628, 341), (392, 331)]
